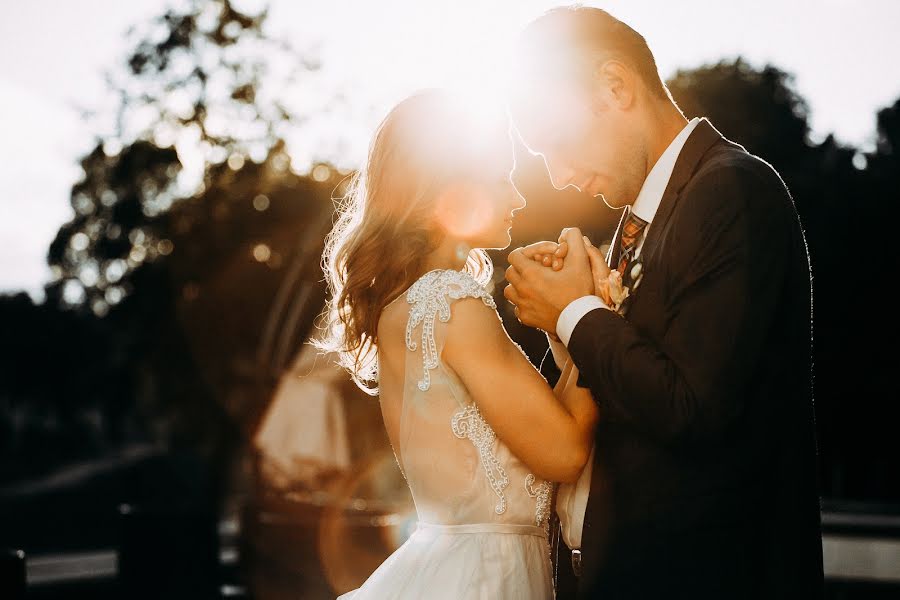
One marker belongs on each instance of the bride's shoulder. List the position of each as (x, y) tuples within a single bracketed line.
[(441, 285), (436, 296), (434, 293)]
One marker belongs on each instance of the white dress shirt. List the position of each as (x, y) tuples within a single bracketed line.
[(572, 498)]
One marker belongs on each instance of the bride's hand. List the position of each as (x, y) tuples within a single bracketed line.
[(541, 252), (599, 270), (552, 254)]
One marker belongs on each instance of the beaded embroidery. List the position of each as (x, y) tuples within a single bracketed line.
[(428, 296), (468, 423), (542, 492)]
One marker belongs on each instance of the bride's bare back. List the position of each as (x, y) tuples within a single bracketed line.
[(459, 470), (483, 513)]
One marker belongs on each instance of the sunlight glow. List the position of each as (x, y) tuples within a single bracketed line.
[(391, 50), (460, 217), (372, 54)]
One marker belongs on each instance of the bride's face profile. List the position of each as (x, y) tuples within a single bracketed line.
[(437, 179), (479, 213)]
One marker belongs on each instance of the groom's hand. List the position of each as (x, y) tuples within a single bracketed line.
[(554, 255), (541, 294), (541, 252), (549, 254)]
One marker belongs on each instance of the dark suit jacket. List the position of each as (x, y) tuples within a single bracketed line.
[(705, 479)]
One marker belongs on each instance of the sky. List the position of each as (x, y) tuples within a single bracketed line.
[(56, 52)]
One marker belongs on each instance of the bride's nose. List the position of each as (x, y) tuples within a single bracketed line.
[(517, 200)]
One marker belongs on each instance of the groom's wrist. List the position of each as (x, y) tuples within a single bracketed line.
[(572, 314)]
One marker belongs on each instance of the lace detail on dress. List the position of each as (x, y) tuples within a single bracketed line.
[(468, 423), (542, 492), (428, 296)]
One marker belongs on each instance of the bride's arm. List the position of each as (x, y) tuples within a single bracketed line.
[(552, 436), (571, 395), (559, 351)]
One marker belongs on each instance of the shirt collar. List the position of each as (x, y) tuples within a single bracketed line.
[(655, 185)]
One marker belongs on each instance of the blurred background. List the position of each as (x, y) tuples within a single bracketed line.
[(167, 176)]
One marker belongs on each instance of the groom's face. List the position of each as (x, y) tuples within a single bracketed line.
[(585, 142)]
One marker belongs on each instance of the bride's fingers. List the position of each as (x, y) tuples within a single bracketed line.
[(539, 248), (560, 255), (599, 269), (544, 259)]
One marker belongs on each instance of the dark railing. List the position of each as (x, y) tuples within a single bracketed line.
[(861, 547)]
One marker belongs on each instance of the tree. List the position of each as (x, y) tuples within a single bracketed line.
[(749, 106), (201, 85), (841, 206), (191, 264)]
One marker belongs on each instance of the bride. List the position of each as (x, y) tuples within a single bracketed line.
[(478, 434)]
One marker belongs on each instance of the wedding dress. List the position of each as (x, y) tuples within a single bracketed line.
[(483, 519)]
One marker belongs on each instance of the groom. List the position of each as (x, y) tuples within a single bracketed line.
[(703, 479)]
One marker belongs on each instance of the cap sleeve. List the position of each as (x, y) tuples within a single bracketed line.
[(430, 297)]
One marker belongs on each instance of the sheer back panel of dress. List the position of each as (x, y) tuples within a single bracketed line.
[(457, 470)]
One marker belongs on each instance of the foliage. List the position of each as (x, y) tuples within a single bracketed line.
[(201, 87)]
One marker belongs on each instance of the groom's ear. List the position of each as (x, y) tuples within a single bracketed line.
[(614, 83)]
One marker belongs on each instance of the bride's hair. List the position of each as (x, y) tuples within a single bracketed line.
[(385, 227)]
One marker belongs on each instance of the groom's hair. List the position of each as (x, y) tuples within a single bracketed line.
[(568, 41)]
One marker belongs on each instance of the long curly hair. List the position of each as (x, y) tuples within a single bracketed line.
[(385, 228)]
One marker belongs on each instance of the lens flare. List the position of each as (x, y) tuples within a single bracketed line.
[(464, 212), (359, 528)]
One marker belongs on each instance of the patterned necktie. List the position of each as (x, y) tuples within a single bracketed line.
[(631, 233)]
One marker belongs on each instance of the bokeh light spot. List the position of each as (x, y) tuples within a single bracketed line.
[(261, 252), (261, 202), (165, 247), (321, 173)]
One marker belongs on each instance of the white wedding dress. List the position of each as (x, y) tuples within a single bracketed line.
[(483, 519)]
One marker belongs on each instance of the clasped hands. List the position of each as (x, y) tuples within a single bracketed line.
[(546, 276)]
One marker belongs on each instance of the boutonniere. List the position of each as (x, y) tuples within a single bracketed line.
[(617, 290)]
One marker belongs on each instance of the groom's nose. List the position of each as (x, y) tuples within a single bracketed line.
[(560, 175)]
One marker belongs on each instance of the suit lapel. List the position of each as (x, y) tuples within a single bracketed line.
[(700, 140)]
